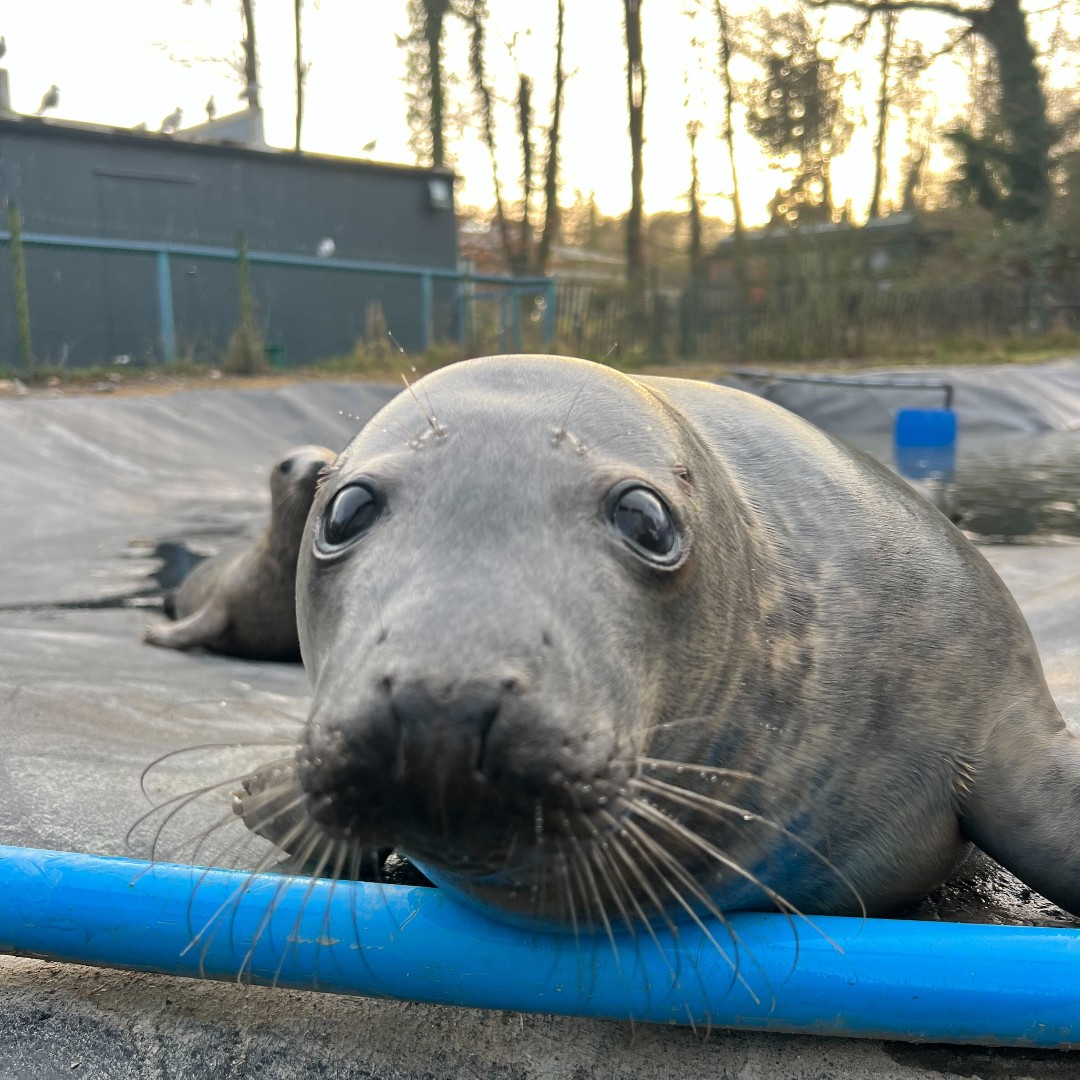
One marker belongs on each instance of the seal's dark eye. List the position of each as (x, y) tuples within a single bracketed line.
[(352, 511), (286, 466), (644, 522)]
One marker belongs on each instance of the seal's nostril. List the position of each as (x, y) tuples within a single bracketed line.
[(483, 758)]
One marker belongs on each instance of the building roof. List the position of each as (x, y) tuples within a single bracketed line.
[(102, 133)]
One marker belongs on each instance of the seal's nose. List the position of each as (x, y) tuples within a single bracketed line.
[(448, 727), (423, 754)]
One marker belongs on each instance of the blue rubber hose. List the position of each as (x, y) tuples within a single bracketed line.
[(944, 982)]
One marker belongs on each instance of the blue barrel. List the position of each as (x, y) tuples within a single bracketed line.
[(924, 443)]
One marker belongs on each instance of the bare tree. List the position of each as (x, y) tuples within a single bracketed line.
[(251, 55), (426, 93), (301, 72), (888, 20), (551, 165), (797, 109), (738, 230), (693, 198), (475, 16), (1009, 172), (524, 116), (635, 96)]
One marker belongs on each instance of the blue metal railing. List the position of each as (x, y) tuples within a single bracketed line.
[(516, 287)]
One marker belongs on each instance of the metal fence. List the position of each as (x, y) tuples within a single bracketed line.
[(807, 319), (96, 300)]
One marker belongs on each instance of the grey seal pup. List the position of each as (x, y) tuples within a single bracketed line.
[(243, 604), (596, 650)]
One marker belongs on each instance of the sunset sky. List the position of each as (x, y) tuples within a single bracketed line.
[(124, 62)]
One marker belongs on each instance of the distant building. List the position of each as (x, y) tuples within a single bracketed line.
[(201, 187), (481, 252), (779, 255)]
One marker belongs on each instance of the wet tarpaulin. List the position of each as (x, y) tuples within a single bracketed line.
[(91, 487)]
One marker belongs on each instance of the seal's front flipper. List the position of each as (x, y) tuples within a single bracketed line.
[(202, 627), (1024, 808)]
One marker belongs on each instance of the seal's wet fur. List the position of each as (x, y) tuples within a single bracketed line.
[(243, 604), (814, 708)]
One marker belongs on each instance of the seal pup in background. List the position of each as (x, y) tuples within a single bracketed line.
[(244, 604), (595, 650)]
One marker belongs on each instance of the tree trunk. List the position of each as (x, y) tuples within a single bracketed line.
[(1024, 159), (251, 55), (300, 73), (1023, 107), (738, 230), (434, 17), (551, 165), (524, 104), (475, 16), (635, 94), (697, 263), (889, 20)]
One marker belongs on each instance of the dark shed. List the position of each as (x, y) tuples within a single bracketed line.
[(89, 305)]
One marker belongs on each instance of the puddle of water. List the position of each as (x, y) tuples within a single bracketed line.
[(177, 560), (1013, 489), (1020, 490)]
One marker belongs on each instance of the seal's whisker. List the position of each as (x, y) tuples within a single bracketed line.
[(619, 848), (428, 414), (613, 878), (174, 806), (567, 893), (580, 884), (210, 928), (202, 934), (199, 747), (658, 868), (293, 939), (589, 889), (718, 771), (694, 800), (677, 829), (668, 861), (561, 432), (341, 853), (308, 849)]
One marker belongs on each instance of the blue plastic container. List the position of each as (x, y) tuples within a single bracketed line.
[(924, 443)]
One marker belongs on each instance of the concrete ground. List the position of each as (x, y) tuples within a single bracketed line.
[(86, 707)]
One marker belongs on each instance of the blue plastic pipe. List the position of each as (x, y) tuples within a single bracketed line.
[(994, 985)]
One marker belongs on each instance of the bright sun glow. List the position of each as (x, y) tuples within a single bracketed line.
[(160, 54)]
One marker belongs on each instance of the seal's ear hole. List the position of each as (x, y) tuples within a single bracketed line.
[(642, 520), (351, 513)]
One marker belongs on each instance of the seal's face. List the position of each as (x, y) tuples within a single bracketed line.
[(477, 573), (293, 481)]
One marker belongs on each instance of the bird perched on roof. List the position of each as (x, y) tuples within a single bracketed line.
[(211, 108), (140, 127), (172, 121), (50, 100)]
